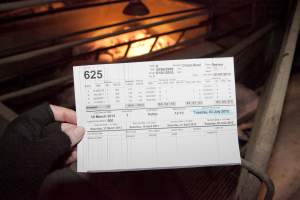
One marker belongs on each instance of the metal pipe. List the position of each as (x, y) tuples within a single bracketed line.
[(6, 20), (36, 88), (6, 113), (248, 41), (23, 4), (4, 7), (58, 47), (263, 177)]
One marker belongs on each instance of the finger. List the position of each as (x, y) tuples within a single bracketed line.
[(55, 139), (74, 132), (62, 114), (38, 117), (72, 158)]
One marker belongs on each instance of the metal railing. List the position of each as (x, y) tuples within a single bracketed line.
[(59, 39), (71, 44), (7, 7)]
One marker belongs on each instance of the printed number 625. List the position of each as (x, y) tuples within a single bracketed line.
[(93, 74)]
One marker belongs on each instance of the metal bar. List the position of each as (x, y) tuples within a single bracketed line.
[(270, 106), (36, 88), (180, 37), (103, 27), (127, 50), (4, 7), (6, 113), (262, 176), (47, 50), (154, 43), (248, 41), (24, 4)]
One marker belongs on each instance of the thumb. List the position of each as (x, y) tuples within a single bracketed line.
[(75, 133)]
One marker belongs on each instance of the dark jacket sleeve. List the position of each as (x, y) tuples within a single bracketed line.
[(29, 149)]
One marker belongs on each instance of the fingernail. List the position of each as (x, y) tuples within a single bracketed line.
[(79, 131)]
